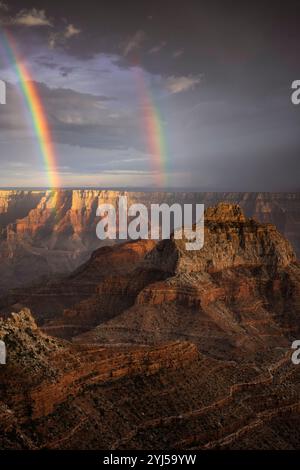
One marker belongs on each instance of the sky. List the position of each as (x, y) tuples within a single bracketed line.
[(161, 94)]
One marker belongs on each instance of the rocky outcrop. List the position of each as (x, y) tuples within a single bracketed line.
[(57, 395), (232, 240), (43, 374), (238, 287)]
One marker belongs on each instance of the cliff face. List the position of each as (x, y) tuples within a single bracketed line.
[(49, 300), (232, 240), (56, 234), (45, 233), (58, 395), (45, 377), (16, 204), (242, 286)]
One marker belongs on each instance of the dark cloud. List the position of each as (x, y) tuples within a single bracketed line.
[(65, 70)]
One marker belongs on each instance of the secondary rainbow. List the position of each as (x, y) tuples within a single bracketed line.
[(36, 110), (154, 130)]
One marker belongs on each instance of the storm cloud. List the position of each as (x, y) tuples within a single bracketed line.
[(215, 79)]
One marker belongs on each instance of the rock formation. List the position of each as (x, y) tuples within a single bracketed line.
[(150, 346)]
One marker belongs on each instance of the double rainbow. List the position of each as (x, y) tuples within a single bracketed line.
[(37, 112), (152, 121)]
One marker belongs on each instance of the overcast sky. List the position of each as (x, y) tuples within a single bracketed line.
[(218, 77)]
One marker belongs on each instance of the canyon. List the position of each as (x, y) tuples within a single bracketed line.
[(149, 346), (50, 233)]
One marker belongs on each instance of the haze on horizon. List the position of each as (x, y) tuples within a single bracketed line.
[(217, 77)]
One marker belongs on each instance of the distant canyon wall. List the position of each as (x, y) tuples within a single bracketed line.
[(48, 232)]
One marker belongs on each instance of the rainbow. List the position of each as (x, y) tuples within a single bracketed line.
[(36, 110), (154, 130)]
